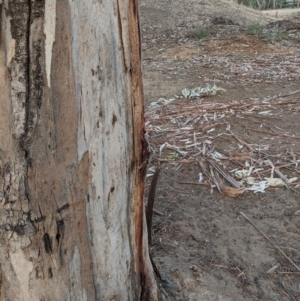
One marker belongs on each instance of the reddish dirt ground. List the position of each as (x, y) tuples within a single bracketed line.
[(203, 246)]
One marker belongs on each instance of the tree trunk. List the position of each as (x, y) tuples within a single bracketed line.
[(260, 5), (72, 152)]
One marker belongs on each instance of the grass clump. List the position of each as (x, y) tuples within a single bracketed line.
[(276, 35), (200, 33), (270, 35)]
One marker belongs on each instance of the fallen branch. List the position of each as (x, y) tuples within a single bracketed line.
[(270, 241), (274, 134), (194, 183), (242, 142), (150, 203), (230, 179), (157, 212), (174, 161), (283, 95), (288, 292)]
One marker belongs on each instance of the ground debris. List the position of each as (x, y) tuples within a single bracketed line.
[(251, 134), (189, 131)]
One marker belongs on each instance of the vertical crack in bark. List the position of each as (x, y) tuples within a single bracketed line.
[(121, 37), (35, 74), (28, 77)]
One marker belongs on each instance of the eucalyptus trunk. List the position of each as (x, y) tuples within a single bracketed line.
[(72, 152)]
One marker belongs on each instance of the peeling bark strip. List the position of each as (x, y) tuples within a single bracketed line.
[(72, 152)]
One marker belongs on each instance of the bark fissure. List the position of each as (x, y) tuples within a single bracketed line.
[(121, 36), (35, 67), (28, 80)]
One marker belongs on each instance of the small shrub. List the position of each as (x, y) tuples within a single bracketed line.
[(152, 65), (236, 39), (200, 33), (255, 29), (182, 64)]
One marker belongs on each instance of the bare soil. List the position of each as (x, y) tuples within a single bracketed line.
[(281, 12), (203, 246)]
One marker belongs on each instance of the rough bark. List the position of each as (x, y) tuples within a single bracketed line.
[(72, 152)]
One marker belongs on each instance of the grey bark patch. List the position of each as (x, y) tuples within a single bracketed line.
[(77, 291), (29, 229)]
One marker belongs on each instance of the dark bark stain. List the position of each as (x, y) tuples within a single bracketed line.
[(47, 243), (114, 120), (40, 219), (60, 223), (62, 208), (97, 72), (50, 274), (19, 229)]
